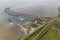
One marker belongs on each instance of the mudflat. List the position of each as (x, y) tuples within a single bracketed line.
[(9, 33)]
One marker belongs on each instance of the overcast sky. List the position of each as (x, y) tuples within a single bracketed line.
[(7, 3), (32, 6)]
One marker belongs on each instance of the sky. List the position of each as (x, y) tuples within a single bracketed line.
[(7, 3), (41, 7)]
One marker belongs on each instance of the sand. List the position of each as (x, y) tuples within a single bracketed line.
[(9, 33)]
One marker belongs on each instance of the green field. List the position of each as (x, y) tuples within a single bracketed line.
[(53, 33), (34, 34), (38, 32)]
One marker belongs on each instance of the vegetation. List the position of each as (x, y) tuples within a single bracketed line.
[(37, 20), (34, 34), (50, 31), (43, 31), (39, 31), (54, 33)]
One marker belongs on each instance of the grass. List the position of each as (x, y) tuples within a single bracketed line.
[(53, 34), (44, 30), (34, 34)]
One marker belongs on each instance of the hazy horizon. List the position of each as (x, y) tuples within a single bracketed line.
[(32, 7)]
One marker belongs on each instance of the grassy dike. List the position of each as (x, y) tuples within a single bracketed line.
[(54, 33), (34, 34), (43, 31), (37, 32), (46, 29)]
